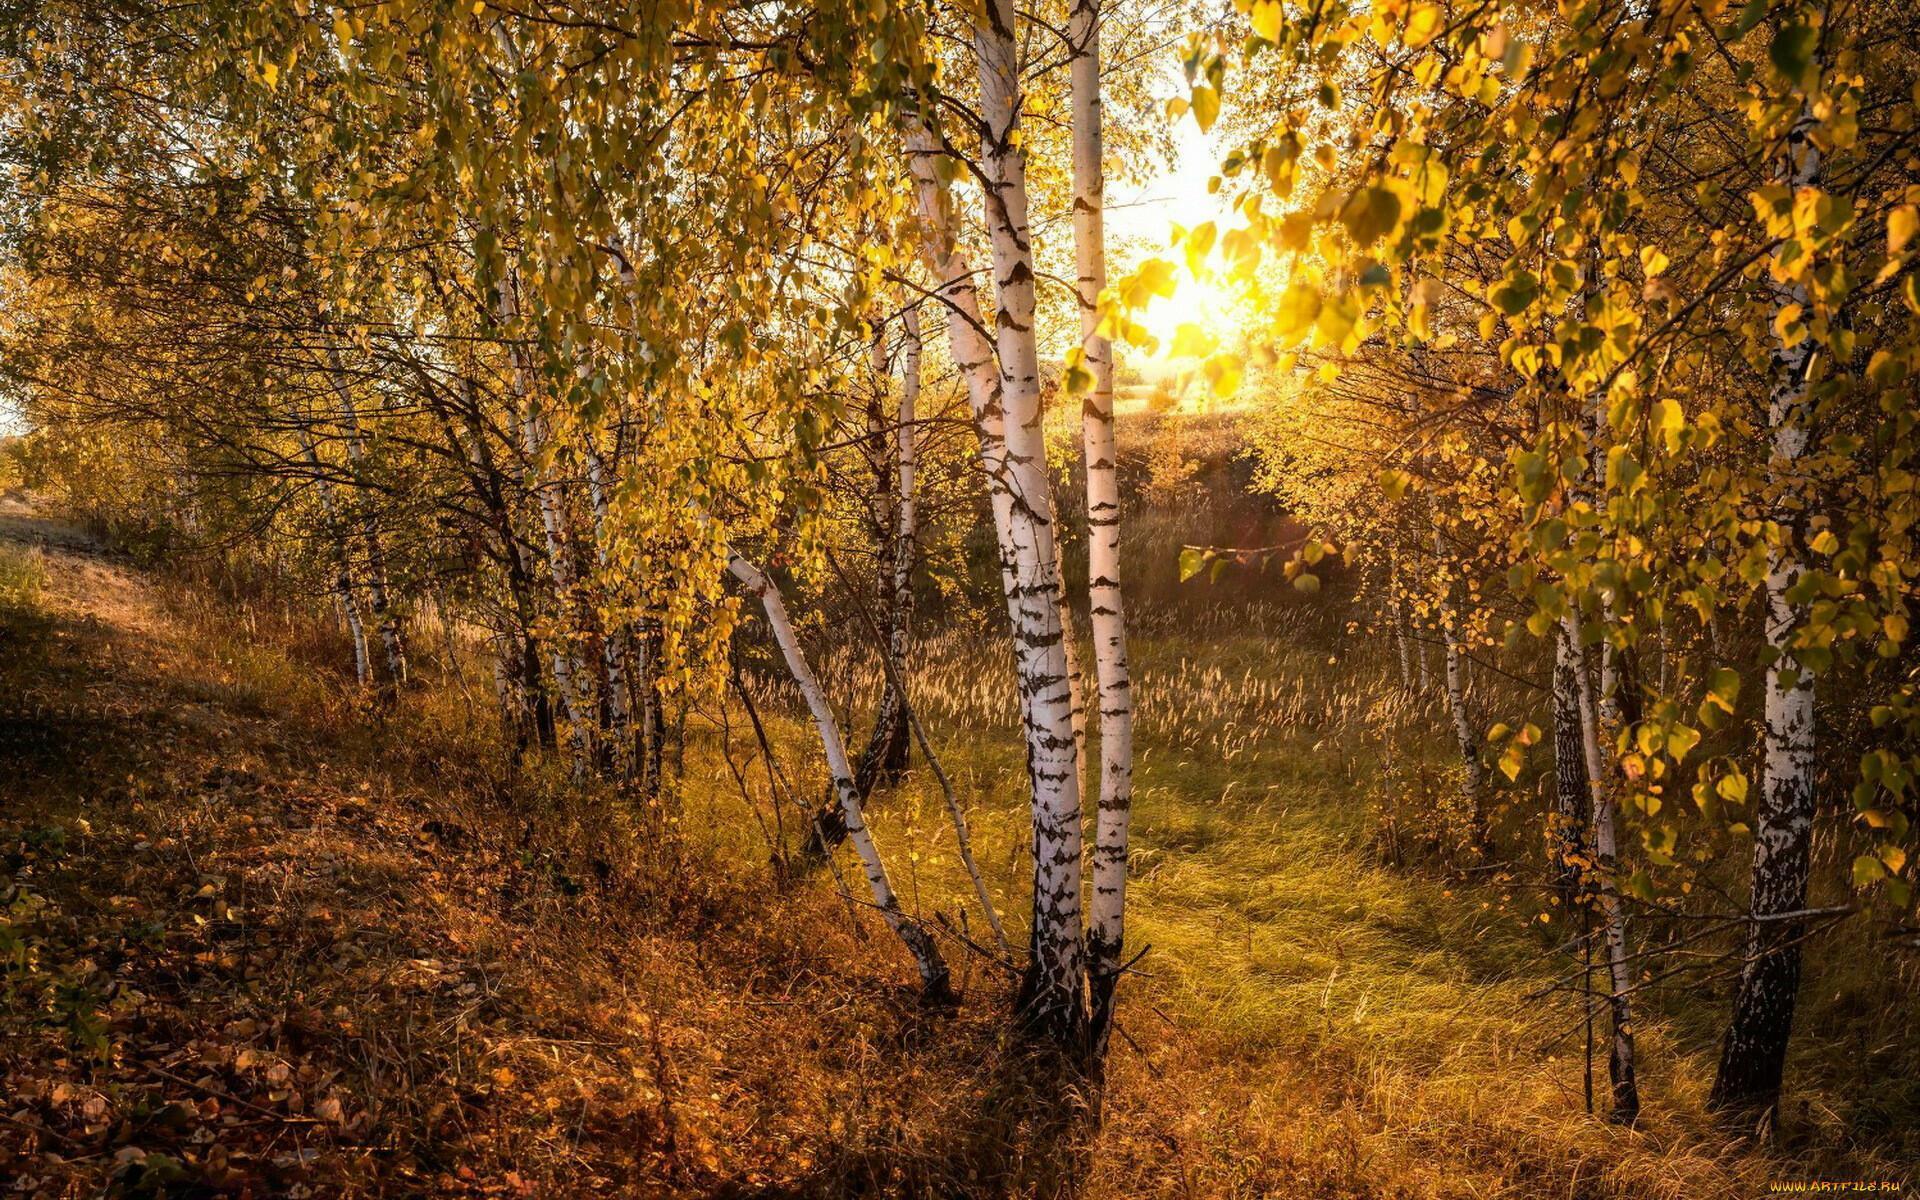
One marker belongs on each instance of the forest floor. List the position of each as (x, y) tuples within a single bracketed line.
[(259, 942)]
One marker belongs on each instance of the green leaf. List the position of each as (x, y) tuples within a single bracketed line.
[(1868, 870), (1513, 294), (1792, 50)]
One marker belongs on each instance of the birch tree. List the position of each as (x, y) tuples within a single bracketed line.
[(1106, 921), (926, 955), (1753, 1056)]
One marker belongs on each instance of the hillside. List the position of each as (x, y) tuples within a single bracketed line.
[(261, 942)]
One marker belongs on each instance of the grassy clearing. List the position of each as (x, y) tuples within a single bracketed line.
[(1400, 1009)]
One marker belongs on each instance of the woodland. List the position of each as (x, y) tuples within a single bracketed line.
[(1191, 598)]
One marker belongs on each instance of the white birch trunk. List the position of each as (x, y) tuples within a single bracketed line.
[(1572, 801), (1106, 921), (1468, 738), (1753, 1057), (568, 671), (1396, 611), (1599, 717), (1052, 996), (613, 642), (569, 675), (933, 970), (889, 748), (906, 529), (343, 570)]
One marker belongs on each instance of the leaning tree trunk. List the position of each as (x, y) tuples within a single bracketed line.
[(1106, 918), (933, 969), (521, 650), (1753, 1058)]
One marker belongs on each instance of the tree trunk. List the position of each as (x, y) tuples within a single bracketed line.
[(1465, 732), (1106, 919), (1753, 1057), (1599, 728), (890, 747), (392, 639), (1396, 611), (1051, 1000), (520, 652), (1053, 991), (1567, 834), (613, 642), (569, 673), (933, 970), (343, 568)]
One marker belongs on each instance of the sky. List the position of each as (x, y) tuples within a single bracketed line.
[(1144, 213)]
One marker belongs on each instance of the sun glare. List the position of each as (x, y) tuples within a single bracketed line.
[(1192, 322)]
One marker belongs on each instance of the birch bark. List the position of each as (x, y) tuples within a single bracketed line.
[(1753, 1057), (1106, 923), (569, 674), (613, 641), (1052, 993), (343, 570), (888, 749), (1474, 787), (1599, 728), (933, 970), (1572, 801)]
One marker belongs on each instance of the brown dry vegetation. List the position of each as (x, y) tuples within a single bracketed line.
[(262, 943)]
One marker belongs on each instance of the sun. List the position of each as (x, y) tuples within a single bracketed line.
[(1194, 321)]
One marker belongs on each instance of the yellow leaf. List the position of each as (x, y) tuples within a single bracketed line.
[(1191, 341), (1206, 106), (1902, 224), (1423, 25), (1267, 19)]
